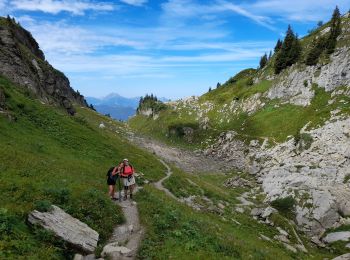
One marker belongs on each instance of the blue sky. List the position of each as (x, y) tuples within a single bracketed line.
[(172, 48)]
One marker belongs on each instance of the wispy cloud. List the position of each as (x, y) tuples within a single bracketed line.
[(134, 2), (191, 9), (76, 7), (262, 20), (297, 10)]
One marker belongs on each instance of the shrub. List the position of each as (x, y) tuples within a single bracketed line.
[(250, 82), (7, 223), (59, 196), (303, 141), (284, 205), (346, 179), (43, 205), (305, 83)]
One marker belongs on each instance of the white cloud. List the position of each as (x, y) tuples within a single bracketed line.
[(66, 39), (134, 2), (297, 10), (76, 7)]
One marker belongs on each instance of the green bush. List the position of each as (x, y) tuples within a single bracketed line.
[(303, 141), (7, 223), (284, 205), (59, 196), (43, 205)]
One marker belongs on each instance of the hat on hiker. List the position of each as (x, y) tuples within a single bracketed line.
[(125, 160)]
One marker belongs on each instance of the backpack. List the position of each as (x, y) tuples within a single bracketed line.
[(109, 173)]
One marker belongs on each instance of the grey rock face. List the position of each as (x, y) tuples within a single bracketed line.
[(295, 84), (313, 176), (22, 61), (70, 229)]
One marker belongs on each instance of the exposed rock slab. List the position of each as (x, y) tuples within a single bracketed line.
[(342, 257), (337, 236), (70, 229)]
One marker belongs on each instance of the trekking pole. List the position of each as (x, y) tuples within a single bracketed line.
[(119, 188)]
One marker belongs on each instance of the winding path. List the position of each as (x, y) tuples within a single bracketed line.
[(126, 238), (159, 184)]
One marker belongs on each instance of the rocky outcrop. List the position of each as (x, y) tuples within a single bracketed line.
[(315, 176), (22, 61), (229, 150), (295, 84), (76, 233)]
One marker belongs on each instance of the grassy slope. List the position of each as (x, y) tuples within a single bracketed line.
[(47, 155), (176, 231), (275, 120)]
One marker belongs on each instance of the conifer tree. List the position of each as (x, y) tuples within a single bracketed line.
[(278, 45), (289, 52), (334, 31), (263, 61), (270, 55)]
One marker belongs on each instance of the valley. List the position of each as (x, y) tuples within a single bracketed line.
[(257, 168)]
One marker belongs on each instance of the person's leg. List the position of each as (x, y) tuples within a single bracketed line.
[(110, 191), (131, 187), (113, 191), (125, 188)]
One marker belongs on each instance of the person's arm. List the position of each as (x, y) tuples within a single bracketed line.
[(115, 171)]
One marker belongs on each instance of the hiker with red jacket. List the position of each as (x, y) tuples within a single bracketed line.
[(127, 175)]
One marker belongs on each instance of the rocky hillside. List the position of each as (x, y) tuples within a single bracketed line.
[(290, 130), (22, 61)]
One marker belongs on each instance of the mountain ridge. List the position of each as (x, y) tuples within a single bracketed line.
[(23, 62)]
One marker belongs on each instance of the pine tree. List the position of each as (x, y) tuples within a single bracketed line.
[(289, 53), (263, 61), (278, 45), (335, 31), (270, 55), (317, 47)]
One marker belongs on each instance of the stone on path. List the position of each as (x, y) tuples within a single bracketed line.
[(76, 233), (114, 250)]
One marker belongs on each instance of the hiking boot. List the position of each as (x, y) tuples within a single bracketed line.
[(125, 197), (130, 196)]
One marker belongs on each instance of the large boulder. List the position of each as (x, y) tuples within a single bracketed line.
[(76, 233)]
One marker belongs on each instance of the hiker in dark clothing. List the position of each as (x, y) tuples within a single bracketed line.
[(112, 176)]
